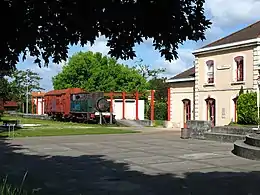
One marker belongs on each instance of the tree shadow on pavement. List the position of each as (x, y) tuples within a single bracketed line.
[(95, 174)]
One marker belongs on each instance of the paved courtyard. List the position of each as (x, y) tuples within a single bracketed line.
[(158, 163)]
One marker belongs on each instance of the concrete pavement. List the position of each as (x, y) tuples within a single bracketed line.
[(157, 163)]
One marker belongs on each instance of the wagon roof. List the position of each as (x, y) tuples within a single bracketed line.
[(56, 92), (63, 91)]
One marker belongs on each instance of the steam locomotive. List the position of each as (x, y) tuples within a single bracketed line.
[(77, 105)]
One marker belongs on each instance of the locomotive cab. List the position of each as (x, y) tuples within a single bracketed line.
[(87, 107)]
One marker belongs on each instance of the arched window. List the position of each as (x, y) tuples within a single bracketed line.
[(211, 110), (210, 71), (239, 68), (186, 111)]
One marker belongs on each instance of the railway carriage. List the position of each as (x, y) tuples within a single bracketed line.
[(75, 104)]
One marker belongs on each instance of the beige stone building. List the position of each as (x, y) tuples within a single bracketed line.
[(209, 89)]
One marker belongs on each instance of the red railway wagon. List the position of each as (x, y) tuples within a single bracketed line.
[(57, 102)]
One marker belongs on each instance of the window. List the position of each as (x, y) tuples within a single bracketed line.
[(239, 68), (210, 71)]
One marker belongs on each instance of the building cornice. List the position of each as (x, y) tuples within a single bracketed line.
[(236, 45), (180, 80)]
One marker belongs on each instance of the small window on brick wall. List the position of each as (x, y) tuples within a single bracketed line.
[(210, 71), (239, 68)]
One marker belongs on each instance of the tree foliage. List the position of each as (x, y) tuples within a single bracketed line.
[(20, 80), (94, 72), (160, 111), (5, 91), (146, 71), (160, 86), (241, 91), (45, 29), (247, 108)]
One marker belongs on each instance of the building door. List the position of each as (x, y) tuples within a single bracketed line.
[(211, 111), (186, 111)]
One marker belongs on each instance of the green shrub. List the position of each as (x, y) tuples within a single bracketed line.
[(247, 108), (1, 114), (160, 111)]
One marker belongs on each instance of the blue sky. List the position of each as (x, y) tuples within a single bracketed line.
[(234, 15)]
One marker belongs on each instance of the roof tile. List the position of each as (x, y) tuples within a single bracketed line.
[(250, 32)]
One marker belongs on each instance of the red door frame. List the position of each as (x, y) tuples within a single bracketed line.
[(211, 104), (186, 111)]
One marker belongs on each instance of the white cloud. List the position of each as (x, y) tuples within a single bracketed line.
[(229, 13), (46, 73), (99, 46), (184, 61)]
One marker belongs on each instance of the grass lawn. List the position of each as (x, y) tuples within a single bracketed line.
[(158, 123), (241, 125), (56, 128)]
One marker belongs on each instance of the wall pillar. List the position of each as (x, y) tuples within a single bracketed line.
[(32, 105), (152, 105), (42, 105), (136, 105), (169, 104), (123, 97), (37, 105), (111, 101)]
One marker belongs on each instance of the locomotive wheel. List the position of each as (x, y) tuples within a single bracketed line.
[(102, 105)]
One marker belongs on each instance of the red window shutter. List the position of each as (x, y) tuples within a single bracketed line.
[(242, 71)]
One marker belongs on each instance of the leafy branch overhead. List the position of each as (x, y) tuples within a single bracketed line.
[(45, 29)]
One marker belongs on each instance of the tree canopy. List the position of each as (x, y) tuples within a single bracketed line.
[(20, 80), (4, 89), (146, 71), (45, 29), (94, 72)]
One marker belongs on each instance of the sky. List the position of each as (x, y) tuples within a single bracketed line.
[(227, 16)]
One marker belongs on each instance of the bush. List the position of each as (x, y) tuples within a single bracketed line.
[(160, 111), (247, 109), (1, 114)]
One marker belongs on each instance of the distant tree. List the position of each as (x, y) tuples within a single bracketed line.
[(160, 86), (21, 81), (146, 71), (45, 29), (94, 72), (241, 91), (5, 91)]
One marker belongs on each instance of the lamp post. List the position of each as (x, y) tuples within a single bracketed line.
[(27, 92)]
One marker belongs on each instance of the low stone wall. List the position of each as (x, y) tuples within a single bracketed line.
[(239, 130), (145, 123), (197, 128), (36, 116)]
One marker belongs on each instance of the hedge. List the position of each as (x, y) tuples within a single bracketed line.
[(160, 111), (247, 109)]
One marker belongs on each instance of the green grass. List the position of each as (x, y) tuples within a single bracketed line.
[(56, 128), (8, 189), (44, 122), (241, 125), (158, 123)]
